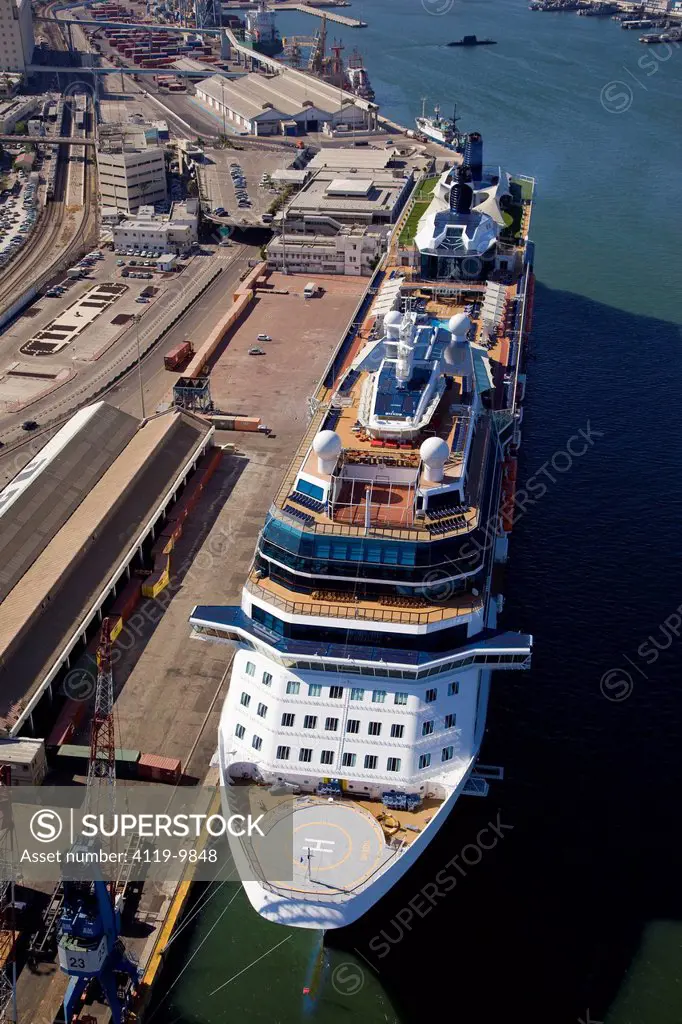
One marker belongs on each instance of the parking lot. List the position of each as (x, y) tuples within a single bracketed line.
[(18, 214), (230, 175)]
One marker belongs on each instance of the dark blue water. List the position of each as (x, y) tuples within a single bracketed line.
[(576, 914)]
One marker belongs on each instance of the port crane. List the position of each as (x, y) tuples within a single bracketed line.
[(90, 944), (8, 966)]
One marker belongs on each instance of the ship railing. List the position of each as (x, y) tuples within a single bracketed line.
[(353, 609)]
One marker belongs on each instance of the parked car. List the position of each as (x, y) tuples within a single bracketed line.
[(256, 351), (29, 425)]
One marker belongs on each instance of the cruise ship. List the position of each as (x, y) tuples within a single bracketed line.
[(367, 634)]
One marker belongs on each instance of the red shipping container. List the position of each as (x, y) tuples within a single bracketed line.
[(69, 719), (127, 600), (159, 769)]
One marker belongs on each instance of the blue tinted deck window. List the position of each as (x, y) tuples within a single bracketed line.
[(312, 490)]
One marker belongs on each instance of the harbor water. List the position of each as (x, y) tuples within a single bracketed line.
[(576, 911)]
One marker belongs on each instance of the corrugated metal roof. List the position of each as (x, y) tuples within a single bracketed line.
[(37, 502), (44, 609)]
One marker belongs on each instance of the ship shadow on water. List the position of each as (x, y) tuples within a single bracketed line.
[(582, 884)]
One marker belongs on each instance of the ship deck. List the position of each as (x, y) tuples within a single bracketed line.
[(339, 845), (411, 611)]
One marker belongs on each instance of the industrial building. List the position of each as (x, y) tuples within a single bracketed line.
[(282, 104), (354, 251), (75, 524), (131, 168), (175, 232), (16, 35)]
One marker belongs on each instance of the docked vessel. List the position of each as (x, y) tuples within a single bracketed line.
[(473, 41), (260, 32), (439, 129), (368, 631), (357, 78)]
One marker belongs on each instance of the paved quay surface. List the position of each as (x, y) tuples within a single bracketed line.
[(170, 687)]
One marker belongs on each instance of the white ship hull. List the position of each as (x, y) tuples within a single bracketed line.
[(306, 912)]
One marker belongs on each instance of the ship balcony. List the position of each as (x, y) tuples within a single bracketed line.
[(391, 609)]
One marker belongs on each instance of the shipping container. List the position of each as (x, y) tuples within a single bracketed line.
[(159, 769), (69, 719), (128, 600), (178, 355), (74, 757)]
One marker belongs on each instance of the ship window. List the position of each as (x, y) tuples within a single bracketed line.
[(288, 720), (424, 760), (239, 731), (256, 743), (262, 710), (430, 696), (267, 679), (397, 732), (283, 753), (353, 725), (374, 729), (357, 693), (293, 687), (453, 688), (314, 690), (336, 692), (400, 698), (450, 721), (245, 700), (305, 754), (447, 753), (327, 757), (348, 760), (250, 668), (370, 761), (378, 696), (310, 722), (393, 764), (427, 728)]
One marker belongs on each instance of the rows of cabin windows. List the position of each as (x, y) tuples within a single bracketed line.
[(357, 693), (348, 758)]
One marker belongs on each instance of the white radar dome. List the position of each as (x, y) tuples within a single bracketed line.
[(327, 446), (459, 324), (393, 317), (435, 453)]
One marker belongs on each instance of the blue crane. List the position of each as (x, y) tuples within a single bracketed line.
[(90, 944)]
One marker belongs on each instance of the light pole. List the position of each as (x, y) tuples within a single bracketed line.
[(139, 361)]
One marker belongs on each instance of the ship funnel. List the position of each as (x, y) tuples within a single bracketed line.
[(473, 155), (327, 446), (460, 194), (435, 453)]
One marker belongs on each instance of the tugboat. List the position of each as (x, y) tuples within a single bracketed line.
[(473, 41)]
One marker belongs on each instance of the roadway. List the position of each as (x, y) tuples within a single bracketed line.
[(125, 393)]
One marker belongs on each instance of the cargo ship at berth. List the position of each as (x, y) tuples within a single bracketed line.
[(260, 31), (367, 634)]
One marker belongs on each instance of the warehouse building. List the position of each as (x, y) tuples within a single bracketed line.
[(131, 168), (288, 103), (75, 523)]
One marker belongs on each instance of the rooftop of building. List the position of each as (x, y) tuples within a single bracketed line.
[(358, 157), (357, 192), (286, 94), (69, 519)]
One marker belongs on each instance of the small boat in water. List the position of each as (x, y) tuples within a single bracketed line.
[(473, 41)]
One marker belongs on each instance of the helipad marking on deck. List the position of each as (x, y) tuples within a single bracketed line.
[(328, 824), (318, 845)]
